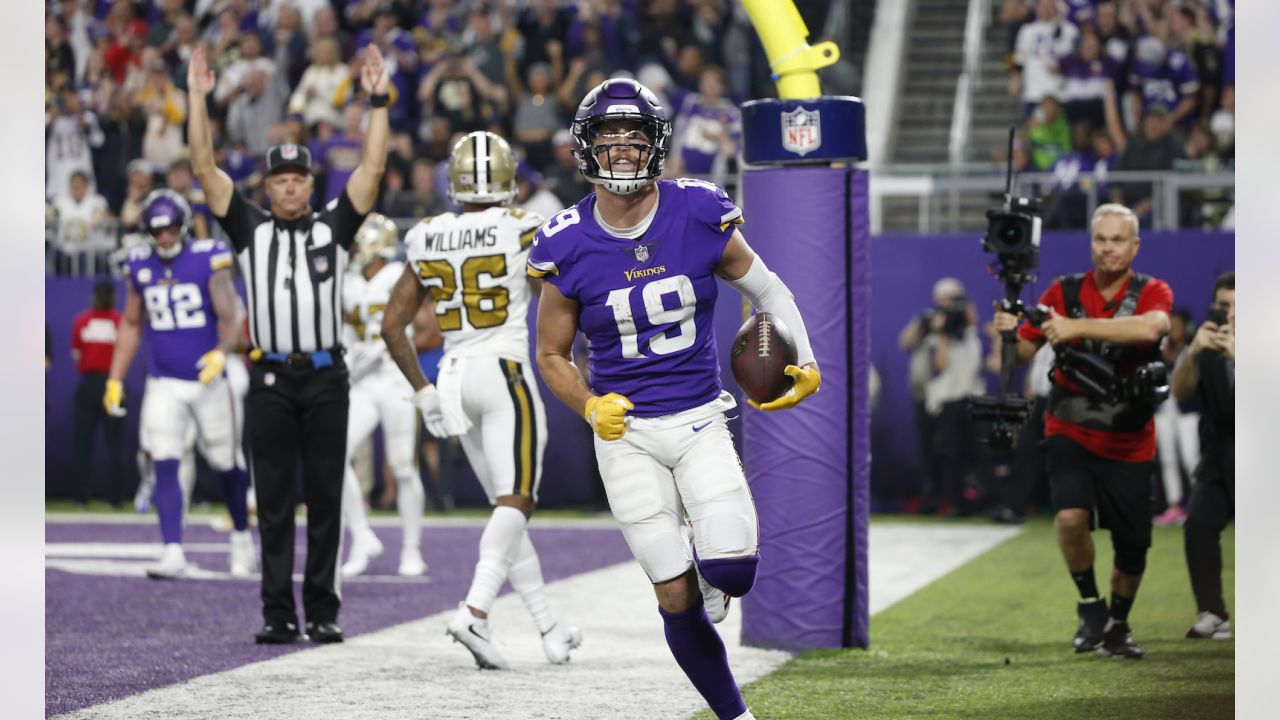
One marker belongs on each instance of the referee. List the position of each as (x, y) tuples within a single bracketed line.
[(293, 259)]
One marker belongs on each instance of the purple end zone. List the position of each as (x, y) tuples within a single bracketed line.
[(108, 637)]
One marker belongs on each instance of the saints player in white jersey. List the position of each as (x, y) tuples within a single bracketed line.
[(471, 267), (378, 393)]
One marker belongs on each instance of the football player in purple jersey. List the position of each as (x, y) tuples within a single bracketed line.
[(635, 266), (181, 291)]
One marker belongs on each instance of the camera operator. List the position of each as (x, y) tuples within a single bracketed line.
[(1100, 436), (946, 357), (1207, 371)]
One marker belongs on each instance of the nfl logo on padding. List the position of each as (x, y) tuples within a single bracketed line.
[(801, 131)]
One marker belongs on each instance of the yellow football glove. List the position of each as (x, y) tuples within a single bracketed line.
[(211, 365), (607, 415), (807, 382), (113, 398)]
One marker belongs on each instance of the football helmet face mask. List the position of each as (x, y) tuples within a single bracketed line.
[(482, 169), (377, 237), (165, 209), (632, 154)]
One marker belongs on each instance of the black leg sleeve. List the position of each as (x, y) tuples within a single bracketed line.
[(276, 431), (88, 411), (324, 446)]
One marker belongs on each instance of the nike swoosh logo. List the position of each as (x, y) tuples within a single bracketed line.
[(700, 428)]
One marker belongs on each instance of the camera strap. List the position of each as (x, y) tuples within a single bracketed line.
[(1071, 285)]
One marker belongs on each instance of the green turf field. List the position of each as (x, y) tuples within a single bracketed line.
[(993, 640)]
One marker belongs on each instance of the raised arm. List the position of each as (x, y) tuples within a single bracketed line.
[(216, 184), (406, 299), (362, 187)]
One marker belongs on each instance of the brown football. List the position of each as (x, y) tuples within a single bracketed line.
[(762, 350)]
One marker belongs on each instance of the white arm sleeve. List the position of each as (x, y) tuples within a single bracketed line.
[(766, 291)]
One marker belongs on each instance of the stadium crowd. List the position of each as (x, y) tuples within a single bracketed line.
[(1139, 85), (116, 103)]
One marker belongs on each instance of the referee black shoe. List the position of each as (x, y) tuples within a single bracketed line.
[(1093, 623), (278, 633), (324, 632), (1117, 641)]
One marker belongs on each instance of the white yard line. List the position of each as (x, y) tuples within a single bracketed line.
[(623, 669)]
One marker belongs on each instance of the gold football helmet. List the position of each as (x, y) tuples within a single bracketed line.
[(376, 238), (482, 169)]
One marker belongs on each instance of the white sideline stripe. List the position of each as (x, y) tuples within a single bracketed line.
[(138, 569), (218, 522), (623, 669)]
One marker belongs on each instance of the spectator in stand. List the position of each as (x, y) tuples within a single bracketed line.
[(140, 183), (129, 37), (59, 58), (457, 91), (420, 200), (338, 157), (71, 133), (563, 178), (537, 111), (709, 129), (1115, 38), (185, 38), (532, 195), (484, 44), (82, 225), (1013, 15), (93, 340), (316, 91), (1154, 148), (398, 48), (165, 108), (1201, 48), (1036, 53), (1048, 133), (234, 80), (1067, 203), (543, 25), (290, 41), (1160, 76), (160, 34), (258, 106), (180, 179), (1086, 73)]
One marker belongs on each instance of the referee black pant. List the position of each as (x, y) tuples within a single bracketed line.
[(299, 414)]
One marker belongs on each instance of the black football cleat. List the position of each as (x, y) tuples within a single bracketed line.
[(1117, 641), (278, 633), (324, 632), (1093, 623)]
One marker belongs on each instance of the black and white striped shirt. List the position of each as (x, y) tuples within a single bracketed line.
[(293, 272)]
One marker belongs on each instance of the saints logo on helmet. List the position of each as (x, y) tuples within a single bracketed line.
[(482, 169), (378, 237)]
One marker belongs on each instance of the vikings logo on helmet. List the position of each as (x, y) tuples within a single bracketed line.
[(376, 238), (166, 208), (482, 169), (621, 99)]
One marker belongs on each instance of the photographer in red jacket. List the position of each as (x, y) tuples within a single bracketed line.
[(1105, 326)]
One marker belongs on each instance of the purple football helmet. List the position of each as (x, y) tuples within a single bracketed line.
[(621, 99), (166, 208)]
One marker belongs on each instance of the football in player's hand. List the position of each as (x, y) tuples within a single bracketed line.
[(762, 350)]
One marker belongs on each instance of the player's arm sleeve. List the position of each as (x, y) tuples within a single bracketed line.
[(343, 217), (766, 291)]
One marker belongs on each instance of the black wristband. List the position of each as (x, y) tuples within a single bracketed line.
[(380, 100)]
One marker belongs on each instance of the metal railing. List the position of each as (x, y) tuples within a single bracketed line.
[(943, 192), (975, 26)]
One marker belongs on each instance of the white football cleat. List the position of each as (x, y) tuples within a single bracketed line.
[(1209, 625), (411, 563), (713, 599), (173, 564), (473, 633), (244, 557), (365, 547), (559, 640)]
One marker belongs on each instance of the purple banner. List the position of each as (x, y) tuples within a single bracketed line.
[(809, 467)]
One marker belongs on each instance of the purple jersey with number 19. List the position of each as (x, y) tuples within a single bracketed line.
[(646, 305), (181, 323)]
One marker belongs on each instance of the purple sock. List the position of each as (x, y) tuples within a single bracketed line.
[(700, 653), (235, 488), (168, 498)]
